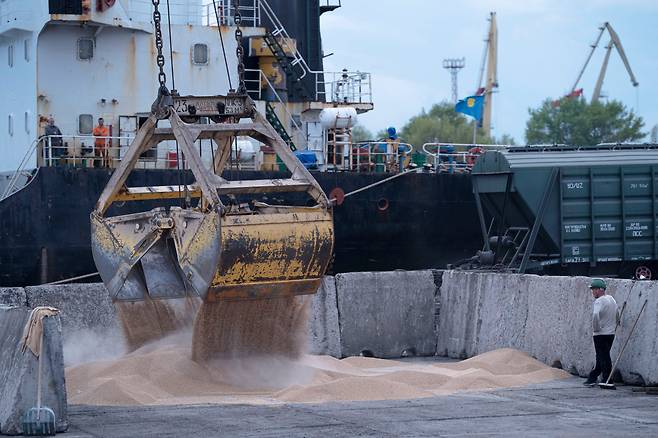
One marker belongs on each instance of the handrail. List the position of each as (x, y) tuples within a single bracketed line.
[(21, 168), (456, 158), (278, 98), (280, 30), (367, 154), (79, 153)]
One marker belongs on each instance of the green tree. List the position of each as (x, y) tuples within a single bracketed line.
[(361, 133), (576, 122), (441, 124)]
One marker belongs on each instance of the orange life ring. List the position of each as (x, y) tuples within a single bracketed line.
[(473, 154)]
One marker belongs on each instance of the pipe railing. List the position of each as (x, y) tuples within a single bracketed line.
[(457, 157), (370, 156), (82, 151), (259, 92)]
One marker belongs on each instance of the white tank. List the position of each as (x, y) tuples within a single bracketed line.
[(344, 117)]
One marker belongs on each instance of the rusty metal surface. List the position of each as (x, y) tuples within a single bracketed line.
[(272, 250)]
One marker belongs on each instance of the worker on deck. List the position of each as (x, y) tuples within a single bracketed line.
[(387, 151), (605, 316), (101, 143), (53, 139)]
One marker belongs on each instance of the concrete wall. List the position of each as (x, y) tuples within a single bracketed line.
[(454, 313), (547, 317), (386, 314), (18, 371)]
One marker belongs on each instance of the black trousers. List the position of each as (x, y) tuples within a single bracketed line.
[(602, 346)]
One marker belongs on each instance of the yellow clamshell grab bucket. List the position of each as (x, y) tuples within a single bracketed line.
[(211, 251)]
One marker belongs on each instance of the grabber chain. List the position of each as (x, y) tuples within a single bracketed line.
[(239, 50), (164, 100)]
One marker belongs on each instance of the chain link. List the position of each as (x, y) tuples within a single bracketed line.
[(160, 59), (239, 51)]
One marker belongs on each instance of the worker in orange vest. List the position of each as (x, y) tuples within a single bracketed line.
[(102, 132)]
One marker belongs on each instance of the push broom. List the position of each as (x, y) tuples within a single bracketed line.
[(608, 384)]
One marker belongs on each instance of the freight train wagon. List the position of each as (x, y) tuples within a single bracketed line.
[(569, 210)]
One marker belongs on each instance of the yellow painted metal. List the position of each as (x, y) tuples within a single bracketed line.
[(273, 254), (156, 192)]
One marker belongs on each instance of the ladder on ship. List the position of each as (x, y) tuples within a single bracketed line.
[(339, 145), (275, 121), (287, 56)]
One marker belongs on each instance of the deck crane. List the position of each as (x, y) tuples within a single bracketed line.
[(614, 42)]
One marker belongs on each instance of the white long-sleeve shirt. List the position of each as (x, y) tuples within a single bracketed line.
[(604, 315)]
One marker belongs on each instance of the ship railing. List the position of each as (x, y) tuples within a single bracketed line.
[(255, 89), (83, 151), (182, 12), (332, 87), (22, 170), (343, 87), (369, 156), (250, 13), (457, 157)]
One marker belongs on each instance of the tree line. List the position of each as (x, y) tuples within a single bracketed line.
[(571, 121)]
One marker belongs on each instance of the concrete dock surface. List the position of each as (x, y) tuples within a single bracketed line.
[(557, 408)]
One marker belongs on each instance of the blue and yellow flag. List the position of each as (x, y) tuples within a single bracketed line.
[(471, 106)]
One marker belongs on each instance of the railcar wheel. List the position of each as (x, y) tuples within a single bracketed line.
[(643, 272)]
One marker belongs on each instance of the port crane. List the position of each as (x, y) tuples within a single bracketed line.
[(490, 60), (614, 42)]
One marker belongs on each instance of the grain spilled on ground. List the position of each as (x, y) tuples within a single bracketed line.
[(164, 373)]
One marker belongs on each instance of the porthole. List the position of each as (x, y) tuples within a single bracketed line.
[(200, 54), (85, 49)]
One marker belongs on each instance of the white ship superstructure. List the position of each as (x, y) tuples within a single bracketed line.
[(80, 60)]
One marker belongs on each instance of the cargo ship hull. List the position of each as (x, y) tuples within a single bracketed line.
[(416, 221)]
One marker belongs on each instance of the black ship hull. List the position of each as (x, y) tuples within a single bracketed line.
[(416, 221)]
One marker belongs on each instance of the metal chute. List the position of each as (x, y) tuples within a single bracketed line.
[(211, 251)]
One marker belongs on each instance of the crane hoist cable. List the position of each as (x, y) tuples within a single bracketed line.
[(221, 40)]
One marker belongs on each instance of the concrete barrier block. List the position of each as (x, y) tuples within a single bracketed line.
[(83, 306), (503, 312), (458, 318), (550, 318), (386, 313), (638, 363), (18, 371), (324, 332), (13, 296)]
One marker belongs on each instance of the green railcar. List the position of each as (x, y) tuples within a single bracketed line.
[(569, 210)]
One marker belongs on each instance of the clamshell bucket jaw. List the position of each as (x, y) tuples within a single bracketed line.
[(211, 251)]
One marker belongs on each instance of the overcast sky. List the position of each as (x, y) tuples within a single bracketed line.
[(542, 44)]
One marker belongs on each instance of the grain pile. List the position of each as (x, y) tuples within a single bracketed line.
[(164, 373)]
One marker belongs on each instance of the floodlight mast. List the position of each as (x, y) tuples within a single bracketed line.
[(453, 65)]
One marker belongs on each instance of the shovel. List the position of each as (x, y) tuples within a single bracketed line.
[(39, 420), (607, 384)]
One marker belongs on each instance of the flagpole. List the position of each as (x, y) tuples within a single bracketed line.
[(475, 131)]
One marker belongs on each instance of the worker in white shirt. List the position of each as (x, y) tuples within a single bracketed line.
[(605, 315)]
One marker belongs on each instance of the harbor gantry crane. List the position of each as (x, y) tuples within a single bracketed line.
[(614, 42)]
